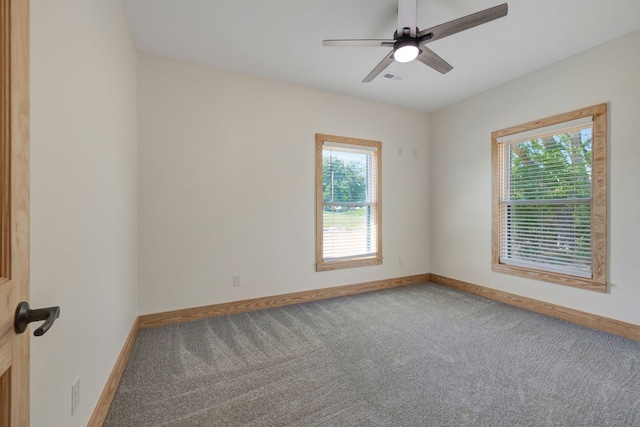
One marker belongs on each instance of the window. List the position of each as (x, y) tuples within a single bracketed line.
[(348, 202), (549, 199)]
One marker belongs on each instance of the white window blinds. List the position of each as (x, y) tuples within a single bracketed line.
[(349, 201), (546, 199)]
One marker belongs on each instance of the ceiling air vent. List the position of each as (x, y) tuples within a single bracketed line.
[(393, 76)]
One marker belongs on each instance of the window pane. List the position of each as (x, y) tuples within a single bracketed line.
[(554, 237), (549, 216), (348, 232), (348, 181), (347, 193), (345, 175), (539, 232), (554, 167)]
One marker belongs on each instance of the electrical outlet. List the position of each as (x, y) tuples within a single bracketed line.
[(415, 152), (75, 396), (400, 262), (236, 280)]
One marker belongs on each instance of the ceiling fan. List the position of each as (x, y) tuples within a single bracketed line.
[(409, 42)]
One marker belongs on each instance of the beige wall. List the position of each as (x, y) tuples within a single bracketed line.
[(226, 185), (460, 173), (83, 199)]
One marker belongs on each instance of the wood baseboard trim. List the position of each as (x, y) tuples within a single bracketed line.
[(109, 391), (605, 324), (198, 313)]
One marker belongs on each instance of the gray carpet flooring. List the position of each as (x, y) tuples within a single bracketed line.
[(422, 355)]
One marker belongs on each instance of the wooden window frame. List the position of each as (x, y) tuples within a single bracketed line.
[(598, 281), (321, 264)]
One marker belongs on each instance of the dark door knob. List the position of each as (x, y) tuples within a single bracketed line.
[(24, 316)]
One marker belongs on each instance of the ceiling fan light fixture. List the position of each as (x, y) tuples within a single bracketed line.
[(406, 50), (409, 44)]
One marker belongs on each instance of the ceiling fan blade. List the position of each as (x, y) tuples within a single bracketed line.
[(464, 23), (381, 66), (407, 17), (359, 42), (431, 59)]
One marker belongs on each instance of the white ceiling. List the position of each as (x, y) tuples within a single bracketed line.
[(282, 40)]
